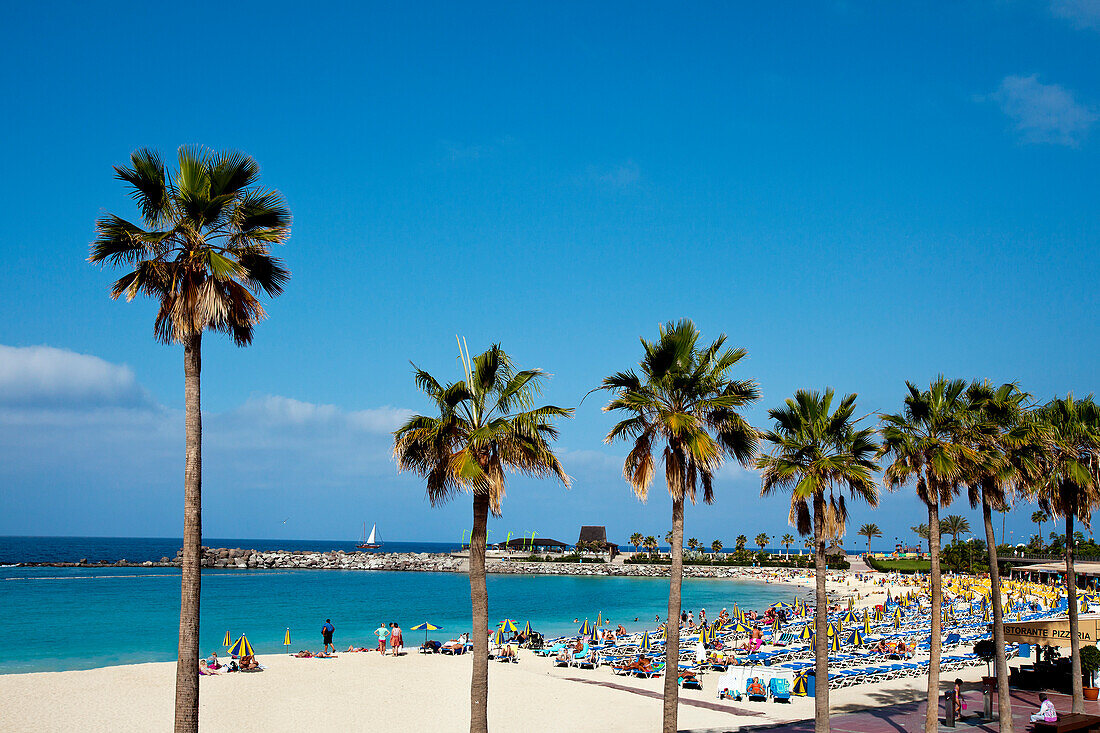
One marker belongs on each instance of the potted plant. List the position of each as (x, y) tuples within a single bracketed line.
[(986, 650), (1090, 663)]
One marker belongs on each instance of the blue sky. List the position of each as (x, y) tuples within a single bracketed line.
[(857, 193)]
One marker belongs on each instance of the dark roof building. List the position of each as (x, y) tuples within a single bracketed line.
[(521, 543), (597, 533)]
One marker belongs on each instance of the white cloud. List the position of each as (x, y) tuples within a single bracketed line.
[(46, 377), (1080, 13), (1043, 113), (278, 411)]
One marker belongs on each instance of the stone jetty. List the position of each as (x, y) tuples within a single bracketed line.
[(244, 559)]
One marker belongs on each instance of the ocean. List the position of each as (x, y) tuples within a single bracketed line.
[(54, 619)]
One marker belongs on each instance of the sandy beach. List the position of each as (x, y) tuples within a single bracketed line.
[(413, 692)]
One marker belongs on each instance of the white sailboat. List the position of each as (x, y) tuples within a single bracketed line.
[(369, 543)]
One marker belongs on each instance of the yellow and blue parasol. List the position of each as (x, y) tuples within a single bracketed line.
[(801, 685), (226, 642), (426, 627), (599, 619), (586, 628), (241, 648), (646, 644), (508, 625)]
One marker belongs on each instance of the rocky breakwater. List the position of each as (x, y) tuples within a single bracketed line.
[(238, 558)]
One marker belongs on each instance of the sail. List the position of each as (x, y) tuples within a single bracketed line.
[(370, 540)]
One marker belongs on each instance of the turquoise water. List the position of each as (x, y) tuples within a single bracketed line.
[(77, 618)]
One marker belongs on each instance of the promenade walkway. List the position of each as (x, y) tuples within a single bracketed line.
[(910, 717)]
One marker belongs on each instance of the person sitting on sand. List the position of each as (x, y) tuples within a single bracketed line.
[(212, 662), (248, 662), (205, 669), (1047, 713)]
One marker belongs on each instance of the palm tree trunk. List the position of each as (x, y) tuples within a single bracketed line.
[(479, 601), (187, 664), (932, 715), (1074, 629), (672, 623), (821, 610), (1004, 700)]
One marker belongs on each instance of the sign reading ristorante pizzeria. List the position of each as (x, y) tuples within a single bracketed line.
[(1054, 632)]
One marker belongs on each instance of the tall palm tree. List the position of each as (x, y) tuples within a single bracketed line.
[(636, 540), (650, 544), (816, 453), (955, 525), (693, 544), (1005, 444), (202, 251), (1038, 517), (925, 445), (486, 425), (762, 541), (716, 546), (685, 399), (869, 531), (788, 540), (1068, 486), (740, 542)]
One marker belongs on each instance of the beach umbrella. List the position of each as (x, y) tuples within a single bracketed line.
[(878, 614), (527, 631), (426, 627), (508, 625), (599, 620), (226, 641), (851, 603), (801, 685), (286, 637), (866, 622), (807, 632), (897, 621), (241, 648), (646, 644), (741, 629), (775, 627), (856, 638), (586, 628), (850, 617), (704, 635), (498, 637)]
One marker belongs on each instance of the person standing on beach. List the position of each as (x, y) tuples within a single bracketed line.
[(326, 633), (395, 639), (382, 632)]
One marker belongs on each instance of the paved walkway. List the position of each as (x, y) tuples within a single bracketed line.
[(906, 718)]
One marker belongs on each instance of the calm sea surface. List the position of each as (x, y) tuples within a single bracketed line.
[(78, 618)]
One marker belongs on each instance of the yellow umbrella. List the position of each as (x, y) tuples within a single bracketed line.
[(508, 625), (286, 637), (426, 627), (599, 619), (226, 641), (241, 648)]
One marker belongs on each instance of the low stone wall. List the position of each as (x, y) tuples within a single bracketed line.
[(237, 558)]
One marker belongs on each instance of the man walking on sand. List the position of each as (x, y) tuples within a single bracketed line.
[(382, 632), (326, 633)]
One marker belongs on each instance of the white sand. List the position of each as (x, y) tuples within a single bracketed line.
[(410, 693)]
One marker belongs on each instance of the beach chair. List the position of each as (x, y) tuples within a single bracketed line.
[(687, 680), (755, 690), (729, 686), (780, 689)]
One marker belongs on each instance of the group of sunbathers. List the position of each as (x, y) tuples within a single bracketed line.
[(212, 665)]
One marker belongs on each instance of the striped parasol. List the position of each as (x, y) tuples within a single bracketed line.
[(866, 622), (646, 644), (801, 685), (599, 619), (856, 638), (527, 630), (878, 614), (426, 627), (586, 628), (807, 632), (226, 641), (498, 637), (241, 648), (775, 626), (834, 643), (508, 625)]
